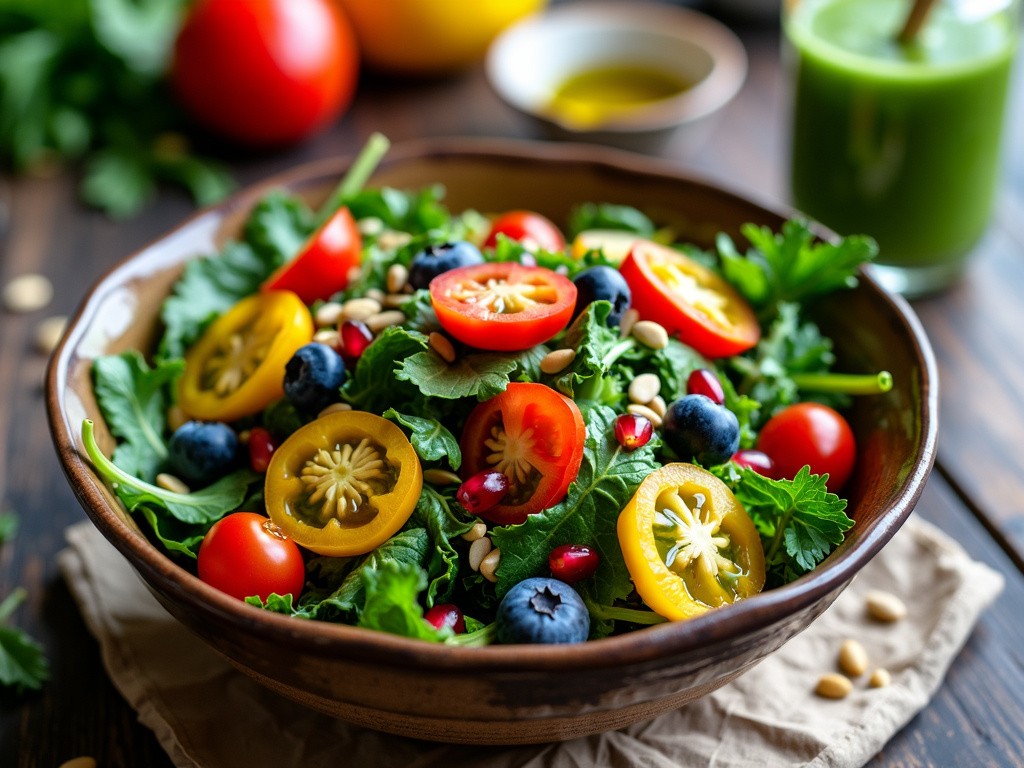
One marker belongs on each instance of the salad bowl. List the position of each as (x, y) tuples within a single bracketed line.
[(508, 694)]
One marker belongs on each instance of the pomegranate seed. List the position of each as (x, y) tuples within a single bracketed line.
[(573, 562), (704, 382), (446, 615), (261, 448), (355, 338), (759, 461), (633, 431), (483, 491)]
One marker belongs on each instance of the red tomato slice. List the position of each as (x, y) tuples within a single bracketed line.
[(689, 300), (534, 435), (321, 268), (529, 228), (502, 306)]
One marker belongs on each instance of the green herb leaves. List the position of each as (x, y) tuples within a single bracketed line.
[(22, 661)]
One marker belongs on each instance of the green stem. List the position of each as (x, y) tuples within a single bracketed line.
[(478, 639), (632, 615), (617, 351), (11, 602), (357, 175), (845, 383)]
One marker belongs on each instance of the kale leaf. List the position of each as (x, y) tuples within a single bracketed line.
[(429, 437)]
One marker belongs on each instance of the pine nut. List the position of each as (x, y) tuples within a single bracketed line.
[(171, 483), (49, 332), (354, 273), (658, 405), (394, 300), (884, 606), (371, 225), (489, 565), (360, 309), (880, 678), (853, 659), (329, 314), (629, 318), (440, 477), (392, 239), (397, 277), (376, 294), (175, 417), (327, 336), (644, 388), (377, 323), (642, 410), (79, 762), (478, 550), (833, 686), (650, 334), (477, 532), (557, 361), (334, 408), (27, 293), (440, 344)]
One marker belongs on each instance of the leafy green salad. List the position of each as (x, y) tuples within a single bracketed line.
[(475, 427)]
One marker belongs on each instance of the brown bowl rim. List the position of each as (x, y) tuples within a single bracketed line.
[(326, 639)]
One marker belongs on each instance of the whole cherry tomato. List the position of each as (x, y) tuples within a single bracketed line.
[(529, 228), (265, 72), (246, 554), (811, 434)]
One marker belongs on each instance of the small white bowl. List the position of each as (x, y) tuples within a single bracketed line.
[(529, 61)]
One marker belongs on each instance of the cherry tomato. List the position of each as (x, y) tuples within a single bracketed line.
[(689, 300), (321, 267), (689, 544), (529, 228), (265, 72), (246, 554), (236, 368), (532, 434), (502, 306), (810, 434), (344, 483)]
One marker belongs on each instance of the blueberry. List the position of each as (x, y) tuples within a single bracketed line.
[(605, 283), (435, 259), (542, 610), (313, 377), (203, 451), (696, 427)]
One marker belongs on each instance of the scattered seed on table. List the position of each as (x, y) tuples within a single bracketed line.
[(557, 361), (853, 659), (380, 321), (49, 332), (171, 483), (440, 477), (650, 334), (334, 408), (629, 318), (397, 277), (884, 606), (360, 309), (489, 565), (477, 532), (833, 686), (644, 388), (880, 678), (478, 550), (27, 293), (440, 344), (648, 413)]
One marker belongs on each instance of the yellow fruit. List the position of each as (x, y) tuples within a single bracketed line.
[(430, 36)]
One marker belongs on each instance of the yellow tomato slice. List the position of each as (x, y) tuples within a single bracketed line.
[(688, 543), (344, 484), (236, 368)]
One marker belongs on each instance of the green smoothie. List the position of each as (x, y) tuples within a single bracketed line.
[(901, 143)]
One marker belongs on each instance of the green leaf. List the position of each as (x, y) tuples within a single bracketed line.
[(598, 348), (23, 663), (207, 288), (202, 507), (8, 526), (429, 437), (140, 32), (206, 180), (481, 374), (416, 212), (278, 226), (374, 384), (434, 513), (607, 480), (118, 180), (609, 216), (392, 602), (134, 399), (174, 535)]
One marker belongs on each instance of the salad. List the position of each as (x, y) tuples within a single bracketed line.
[(470, 428)]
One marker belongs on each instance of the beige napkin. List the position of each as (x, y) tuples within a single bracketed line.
[(205, 713)]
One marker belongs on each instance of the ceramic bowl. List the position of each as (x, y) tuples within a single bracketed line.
[(529, 61), (510, 694)]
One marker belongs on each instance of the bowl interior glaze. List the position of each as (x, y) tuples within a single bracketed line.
[(506, 695)]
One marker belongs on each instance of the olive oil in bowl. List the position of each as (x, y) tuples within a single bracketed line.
[(593, 97)]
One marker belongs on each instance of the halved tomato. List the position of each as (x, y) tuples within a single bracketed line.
[(689, 300), (534, 435), (529, 228), (502, 306)]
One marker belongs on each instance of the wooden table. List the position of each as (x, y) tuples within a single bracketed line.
[(976, 493)]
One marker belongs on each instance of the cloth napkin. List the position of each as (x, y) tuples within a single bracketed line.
[(207, 714)]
